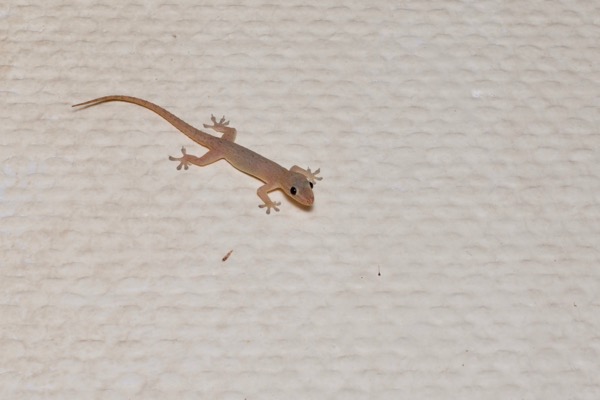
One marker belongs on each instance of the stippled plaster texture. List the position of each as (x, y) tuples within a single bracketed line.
[(453, 250)]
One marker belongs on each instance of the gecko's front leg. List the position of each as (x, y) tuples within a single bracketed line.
[(310, 176), (264, 196)]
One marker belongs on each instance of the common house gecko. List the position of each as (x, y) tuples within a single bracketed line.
[(296, 182)]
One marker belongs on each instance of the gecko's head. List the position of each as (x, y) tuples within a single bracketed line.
[(299, 188)]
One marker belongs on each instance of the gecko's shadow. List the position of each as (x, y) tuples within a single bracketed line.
[(308, 209)]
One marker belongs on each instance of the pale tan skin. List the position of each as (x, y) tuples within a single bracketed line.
[(296, 182)]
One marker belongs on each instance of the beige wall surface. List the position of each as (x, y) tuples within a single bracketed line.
[(452, 252)]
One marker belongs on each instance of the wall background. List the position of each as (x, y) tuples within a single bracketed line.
[(452, 252)]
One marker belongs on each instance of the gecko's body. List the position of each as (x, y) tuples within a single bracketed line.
[(296, 182)]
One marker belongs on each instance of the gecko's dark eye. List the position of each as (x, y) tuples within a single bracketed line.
[(293, 191), (311, 185)]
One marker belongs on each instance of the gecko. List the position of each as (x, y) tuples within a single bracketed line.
[(297, 183)]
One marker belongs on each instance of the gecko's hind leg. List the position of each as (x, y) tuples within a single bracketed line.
[(222, 126), (186, 159)]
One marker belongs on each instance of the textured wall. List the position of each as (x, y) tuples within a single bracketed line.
[(452, 251)]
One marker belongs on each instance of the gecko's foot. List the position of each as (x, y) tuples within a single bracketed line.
[(183, 160), (312, 176), (216, 125), (273, 204)]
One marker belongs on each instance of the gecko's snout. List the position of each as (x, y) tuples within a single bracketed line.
[(309, 199), (306, 199)]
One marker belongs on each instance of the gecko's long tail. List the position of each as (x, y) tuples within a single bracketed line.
[(196, 135)]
